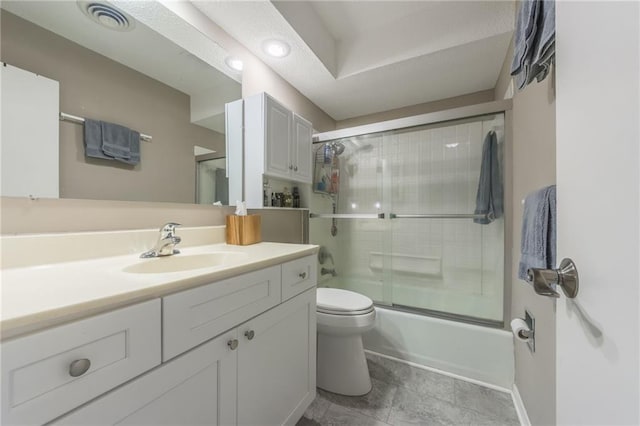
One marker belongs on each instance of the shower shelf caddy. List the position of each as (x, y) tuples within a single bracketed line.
[(326, 171)]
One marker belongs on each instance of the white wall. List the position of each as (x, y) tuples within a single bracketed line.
[(598, 134)]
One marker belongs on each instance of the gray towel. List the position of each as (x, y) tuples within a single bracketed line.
[(525, 32), (134, 149), (534, 49), (538, 245), (116, 140), (489, 198), (93, 140)]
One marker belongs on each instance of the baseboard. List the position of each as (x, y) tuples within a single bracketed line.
[(520, 408), (443, 372)]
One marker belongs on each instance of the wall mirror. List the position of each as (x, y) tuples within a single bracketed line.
[(139, 66)]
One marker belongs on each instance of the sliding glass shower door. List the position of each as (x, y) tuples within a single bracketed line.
[(427, 254)]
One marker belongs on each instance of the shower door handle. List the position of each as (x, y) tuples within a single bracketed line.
[(346, 216)]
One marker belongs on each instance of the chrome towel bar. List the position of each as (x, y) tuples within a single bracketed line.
[(79, 120)]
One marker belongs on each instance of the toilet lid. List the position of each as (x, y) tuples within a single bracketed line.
[(335, 300)]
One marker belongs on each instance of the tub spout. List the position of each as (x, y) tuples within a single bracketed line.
[(327, 271)]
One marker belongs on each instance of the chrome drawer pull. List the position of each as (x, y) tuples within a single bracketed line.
[(78, 367), (302, 275), (233, 344), (249, 334)]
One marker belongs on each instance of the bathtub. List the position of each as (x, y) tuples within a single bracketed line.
[(481, 354)]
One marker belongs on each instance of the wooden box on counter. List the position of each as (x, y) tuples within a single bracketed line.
[(243, 230)]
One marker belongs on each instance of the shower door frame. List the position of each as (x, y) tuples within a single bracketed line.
[(467, 112)]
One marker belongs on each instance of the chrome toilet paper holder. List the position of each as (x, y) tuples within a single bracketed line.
[(566, 276), (531, 333)]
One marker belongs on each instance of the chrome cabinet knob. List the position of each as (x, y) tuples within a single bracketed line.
[(290, 166), (78, 367), (302, 275), (249, 334), (295, 168), (233, 344)]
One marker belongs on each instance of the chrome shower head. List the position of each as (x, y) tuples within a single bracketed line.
[(337, 147)]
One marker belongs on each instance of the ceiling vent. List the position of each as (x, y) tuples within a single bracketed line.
[(107, 16)]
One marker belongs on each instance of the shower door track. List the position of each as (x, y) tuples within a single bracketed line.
[(443, 315), (417, 120)]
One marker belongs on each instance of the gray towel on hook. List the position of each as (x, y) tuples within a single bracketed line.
[(116, 140), (489, 198), (538, 245), (93, 139)]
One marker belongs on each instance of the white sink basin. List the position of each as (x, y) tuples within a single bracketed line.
[(180, 262)]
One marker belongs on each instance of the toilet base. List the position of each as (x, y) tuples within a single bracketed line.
[(342, 366)]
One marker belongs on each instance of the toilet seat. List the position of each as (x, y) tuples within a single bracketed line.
[(335, 301)]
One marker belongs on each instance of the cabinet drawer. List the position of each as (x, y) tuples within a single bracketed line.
[(196, 388), (195, 316), (37, 385), (298, 275)]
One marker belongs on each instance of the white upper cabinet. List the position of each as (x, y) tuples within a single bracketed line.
[(277, 143), (278, 139), (301, 150)]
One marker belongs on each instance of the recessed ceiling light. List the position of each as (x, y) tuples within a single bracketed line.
[(276, 48), (234, 63)]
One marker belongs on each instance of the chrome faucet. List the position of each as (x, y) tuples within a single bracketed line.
[(167, 240), (327, 271)]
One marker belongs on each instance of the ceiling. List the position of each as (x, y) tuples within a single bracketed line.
[(353, 58), (160, 45)]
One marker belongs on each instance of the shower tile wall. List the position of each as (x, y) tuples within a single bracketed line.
[(451, 265)]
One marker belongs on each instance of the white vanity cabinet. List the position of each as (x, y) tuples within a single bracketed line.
[(48, 373), (277, 143), (277, 363), (196, 388), (237, 351)]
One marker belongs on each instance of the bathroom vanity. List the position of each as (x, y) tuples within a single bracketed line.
[(233, 343)]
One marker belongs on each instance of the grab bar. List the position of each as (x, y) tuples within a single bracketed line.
[(346, 216), (437, 216)]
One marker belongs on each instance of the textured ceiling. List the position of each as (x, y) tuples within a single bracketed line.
[(354, 58)]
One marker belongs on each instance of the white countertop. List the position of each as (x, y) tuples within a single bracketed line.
[(38, 297)]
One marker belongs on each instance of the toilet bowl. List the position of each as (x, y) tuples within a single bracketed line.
[(342, 317)]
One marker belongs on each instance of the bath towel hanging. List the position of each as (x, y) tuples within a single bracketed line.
[(534, 41), (489, 198), (538, 244)]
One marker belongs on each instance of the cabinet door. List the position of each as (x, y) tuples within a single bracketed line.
[(277, 366), (301, 150), (278, 162), (197, 388)]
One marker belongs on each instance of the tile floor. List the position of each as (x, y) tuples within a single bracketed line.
[(405, 395)]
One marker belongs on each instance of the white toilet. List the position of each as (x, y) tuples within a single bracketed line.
[(342, 318)]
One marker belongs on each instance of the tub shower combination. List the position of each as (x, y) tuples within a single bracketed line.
[(393, 209)]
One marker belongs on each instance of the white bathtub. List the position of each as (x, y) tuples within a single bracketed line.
[(478, 353)]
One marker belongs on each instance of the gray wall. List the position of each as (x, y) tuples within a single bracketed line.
[(94, 86), (533, 165)]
